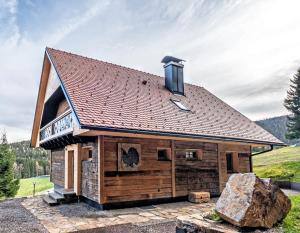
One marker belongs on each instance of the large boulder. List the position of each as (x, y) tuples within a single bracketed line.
[(248, 201)]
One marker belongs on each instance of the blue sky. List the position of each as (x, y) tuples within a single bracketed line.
[(242, 51)]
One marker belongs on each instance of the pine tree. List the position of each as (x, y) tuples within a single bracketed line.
[(292, 104), (8, 184)]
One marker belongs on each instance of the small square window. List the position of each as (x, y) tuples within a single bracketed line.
[(87, 153), (163, 154), (191, 155), (243, 155)]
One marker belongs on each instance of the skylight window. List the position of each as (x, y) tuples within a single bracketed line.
[(180, 105)]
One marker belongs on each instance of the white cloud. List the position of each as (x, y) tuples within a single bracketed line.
[(242, 51)]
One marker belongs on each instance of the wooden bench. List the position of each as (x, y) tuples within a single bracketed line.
[(199, 197)]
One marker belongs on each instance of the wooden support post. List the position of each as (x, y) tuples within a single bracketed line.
[(77, 169), (101, 192), (250, 160), (73, 168), (220, 170), (173, 169), (69, 156), (236, 162)]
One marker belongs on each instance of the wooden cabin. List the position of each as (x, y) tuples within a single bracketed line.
[(120, 136)]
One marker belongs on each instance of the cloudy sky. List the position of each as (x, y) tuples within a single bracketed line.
[(242, 51)]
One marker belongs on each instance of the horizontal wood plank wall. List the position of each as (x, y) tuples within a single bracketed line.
[(153, 180), (244, 165), (199, 175), (58, 167)]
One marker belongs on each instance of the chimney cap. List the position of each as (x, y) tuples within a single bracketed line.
[(168, 59)]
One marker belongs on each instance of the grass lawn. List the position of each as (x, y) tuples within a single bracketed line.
[(291, 223), (280, 164), (41, 184)]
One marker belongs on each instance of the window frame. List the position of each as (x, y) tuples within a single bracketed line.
[(198, 154), (231, 160), (180, 105), (86, 153), (168, 154)]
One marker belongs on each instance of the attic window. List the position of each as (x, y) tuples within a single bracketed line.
[(180, 105)]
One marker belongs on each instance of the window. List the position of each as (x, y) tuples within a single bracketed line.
[(243, 155), (191, 155), (177, 79), (229, 161), (90, 154), (163, 154), (87, 153), (180, 105)]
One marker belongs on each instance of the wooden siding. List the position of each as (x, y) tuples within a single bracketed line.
[(244, 163), (153, 180), (241, 164), (63, 106), (196, 175), (58, 167)]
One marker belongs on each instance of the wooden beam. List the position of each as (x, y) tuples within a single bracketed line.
[(153, 136), (67, 185), (173, 169), (40, 102), (236, 162), (220, 170), (77, 169), (101, 191)]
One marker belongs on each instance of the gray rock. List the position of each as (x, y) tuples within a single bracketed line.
[(248, 201)]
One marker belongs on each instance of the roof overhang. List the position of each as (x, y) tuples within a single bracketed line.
[(95, 131)]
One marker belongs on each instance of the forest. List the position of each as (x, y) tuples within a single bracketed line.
[(277, 127), (30, 162)]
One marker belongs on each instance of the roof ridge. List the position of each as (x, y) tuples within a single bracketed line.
[(117, 65), (106, 62)]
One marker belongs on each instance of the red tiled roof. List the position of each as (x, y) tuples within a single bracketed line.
[(112, 96)]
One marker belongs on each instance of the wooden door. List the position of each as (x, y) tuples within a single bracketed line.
[(70, 169)]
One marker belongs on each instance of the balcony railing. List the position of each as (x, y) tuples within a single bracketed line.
[(58, 127)]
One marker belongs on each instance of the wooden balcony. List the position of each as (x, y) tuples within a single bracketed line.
[(60, 126)]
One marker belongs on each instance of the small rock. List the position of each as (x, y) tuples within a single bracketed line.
[(248, 201)]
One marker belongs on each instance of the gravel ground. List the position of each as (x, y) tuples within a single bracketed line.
[(162, 227), (15, 218)]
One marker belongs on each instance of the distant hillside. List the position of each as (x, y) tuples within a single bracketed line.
[(277, 127), (30, 162)]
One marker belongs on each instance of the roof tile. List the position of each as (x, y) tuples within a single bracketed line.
[(108, 95)]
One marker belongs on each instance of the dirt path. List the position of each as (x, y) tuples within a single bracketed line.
[(15, 218)]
